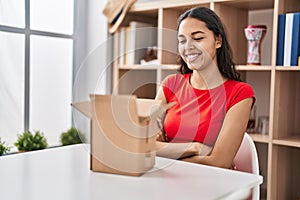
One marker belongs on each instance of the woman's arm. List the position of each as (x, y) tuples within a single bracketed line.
[(230, 137), (177, 150), (172, 150), (180, 150)]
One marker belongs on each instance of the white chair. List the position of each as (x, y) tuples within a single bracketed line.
[(246, 160)]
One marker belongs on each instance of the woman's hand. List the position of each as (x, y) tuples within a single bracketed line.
[(161, 137)]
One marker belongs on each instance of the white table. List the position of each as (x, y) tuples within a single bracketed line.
[(63, 174)]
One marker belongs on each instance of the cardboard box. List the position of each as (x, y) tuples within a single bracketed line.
[(122, 133)]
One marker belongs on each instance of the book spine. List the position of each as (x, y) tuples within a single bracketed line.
[(127, 42), (288, 39), (122, 46), (280, 39), (132, 43), (116, 40), (295, 48)]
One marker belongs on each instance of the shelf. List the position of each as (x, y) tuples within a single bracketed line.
[(248, 4), (169, 67), (288, 68), (148, 67), (140, 67), (175, 67), (154, 5), (258, 137), (293, 141), (245, 4), (253, 68)]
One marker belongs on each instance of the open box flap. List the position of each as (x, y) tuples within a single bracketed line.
[(149, 109), (84, 107)]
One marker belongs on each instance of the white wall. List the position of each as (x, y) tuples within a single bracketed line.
[(97, 48), (91, 74), (91, 61)]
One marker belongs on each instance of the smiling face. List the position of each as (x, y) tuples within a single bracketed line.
[(197, 44)]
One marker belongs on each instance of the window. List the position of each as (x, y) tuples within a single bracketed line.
[(52, 15), (50, 85), (36, 67), (11, 85), (12, 13)]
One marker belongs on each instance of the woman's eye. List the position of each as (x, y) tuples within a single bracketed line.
[(199, 38), (181, 41)]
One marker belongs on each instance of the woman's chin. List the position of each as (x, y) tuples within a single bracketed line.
[(194, 66)]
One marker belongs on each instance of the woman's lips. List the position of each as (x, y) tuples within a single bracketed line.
[(191, 57)]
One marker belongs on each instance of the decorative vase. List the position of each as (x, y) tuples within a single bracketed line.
[(255, 35)]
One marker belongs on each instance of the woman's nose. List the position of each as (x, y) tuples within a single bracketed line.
[(190, 44)]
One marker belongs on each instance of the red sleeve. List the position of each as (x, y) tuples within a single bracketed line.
[(240, 92), (166, 88), (169, 85)]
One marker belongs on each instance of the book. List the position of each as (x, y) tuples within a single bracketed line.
[(295, 47), (127, 41), (288, 39), (122, 46), (116, 45), (280, 39)]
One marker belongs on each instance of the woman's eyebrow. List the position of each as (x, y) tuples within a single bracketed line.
[(196, 32), (193, 33)]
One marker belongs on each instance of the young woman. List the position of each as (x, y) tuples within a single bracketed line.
[(211, 107)]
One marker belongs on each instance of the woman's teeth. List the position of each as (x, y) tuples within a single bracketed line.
[(192, 57)]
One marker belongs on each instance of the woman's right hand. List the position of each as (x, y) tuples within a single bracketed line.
[(161, 137)]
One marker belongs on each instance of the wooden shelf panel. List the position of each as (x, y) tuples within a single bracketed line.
[(293, 141), (245, 4), (287, 68), (148, 67), (253, 67), (153, 5), (175, 67), (248, 4), (258, 137), (169, 67), (139, 67)]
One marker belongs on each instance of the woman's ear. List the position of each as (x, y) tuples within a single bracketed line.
[(218, 41)]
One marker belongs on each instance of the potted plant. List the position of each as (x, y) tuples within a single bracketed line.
[(72, 136), (29, 142), (4, 148)]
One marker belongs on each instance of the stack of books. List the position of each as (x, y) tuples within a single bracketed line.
[(288, 40)]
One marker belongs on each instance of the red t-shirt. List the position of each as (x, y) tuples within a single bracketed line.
[(198, 114)]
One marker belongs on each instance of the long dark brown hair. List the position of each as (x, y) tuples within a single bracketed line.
[(224, 53)]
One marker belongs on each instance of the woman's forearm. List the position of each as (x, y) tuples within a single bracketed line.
[(207, 160), (176, 150), (181, 150)]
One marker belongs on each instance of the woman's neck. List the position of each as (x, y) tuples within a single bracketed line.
[(206, 79)]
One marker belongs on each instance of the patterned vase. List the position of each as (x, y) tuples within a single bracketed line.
[(255, 35)]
